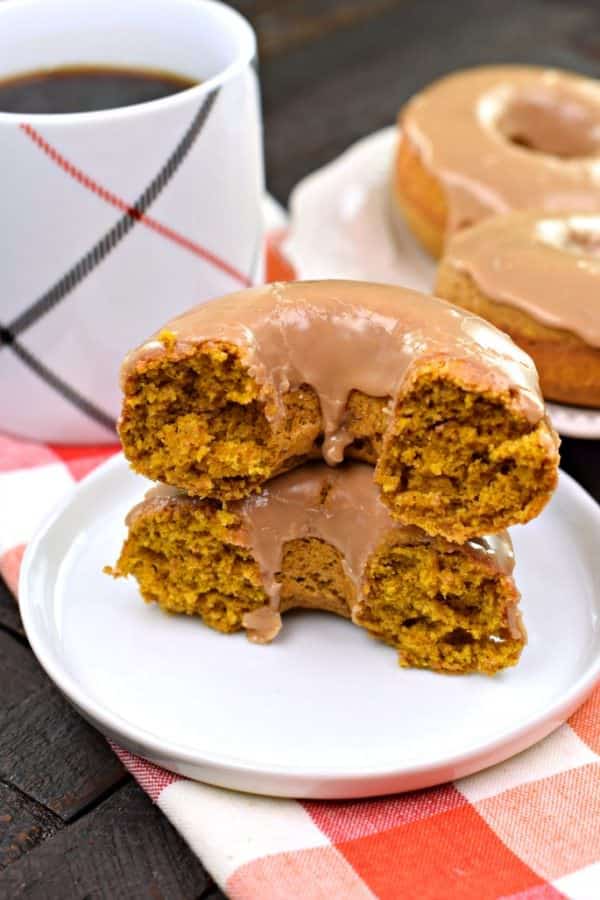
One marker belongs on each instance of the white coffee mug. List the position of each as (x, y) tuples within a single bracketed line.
[(115, 220)]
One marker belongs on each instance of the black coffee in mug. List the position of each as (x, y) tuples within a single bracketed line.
[(75, 89)]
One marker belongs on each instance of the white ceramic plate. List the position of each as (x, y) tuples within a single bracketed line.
[(575, 421), (339, 228), (324, 711)]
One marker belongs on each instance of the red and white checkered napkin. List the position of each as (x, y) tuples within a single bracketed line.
[(528, 828)]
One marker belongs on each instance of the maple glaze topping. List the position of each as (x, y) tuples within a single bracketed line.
[(340, 506), (547, 266), (503, 138), (339, 336)]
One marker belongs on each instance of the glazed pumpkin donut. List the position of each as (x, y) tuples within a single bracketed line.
[(445, 406), (536, 276), (444, 606), (495, 139)]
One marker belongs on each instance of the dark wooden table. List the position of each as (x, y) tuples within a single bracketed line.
[(73, 824)]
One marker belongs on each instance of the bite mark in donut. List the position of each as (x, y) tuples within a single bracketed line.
[(444, 606), (445, 407)]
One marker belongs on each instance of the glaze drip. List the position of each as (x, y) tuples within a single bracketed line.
[(340, 336), (341, 507)]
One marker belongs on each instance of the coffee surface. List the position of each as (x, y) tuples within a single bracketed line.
[(73, 89)]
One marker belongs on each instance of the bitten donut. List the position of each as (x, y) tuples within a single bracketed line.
[(491, 140), (445, 406), (537, 277), (444, 606)]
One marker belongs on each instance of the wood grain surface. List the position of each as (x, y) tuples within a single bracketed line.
[(124, 849), (72, 823)]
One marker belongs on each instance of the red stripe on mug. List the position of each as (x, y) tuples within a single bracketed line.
[(106, 195)]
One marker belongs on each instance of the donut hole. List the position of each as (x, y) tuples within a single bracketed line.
[(551, 123), (463, 224), (578, 234), (582, 239)]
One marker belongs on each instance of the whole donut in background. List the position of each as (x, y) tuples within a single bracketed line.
[(490, 140), (537, 277)]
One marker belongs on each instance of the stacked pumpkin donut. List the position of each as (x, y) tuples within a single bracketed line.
[(498, 173), (338, 445)]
